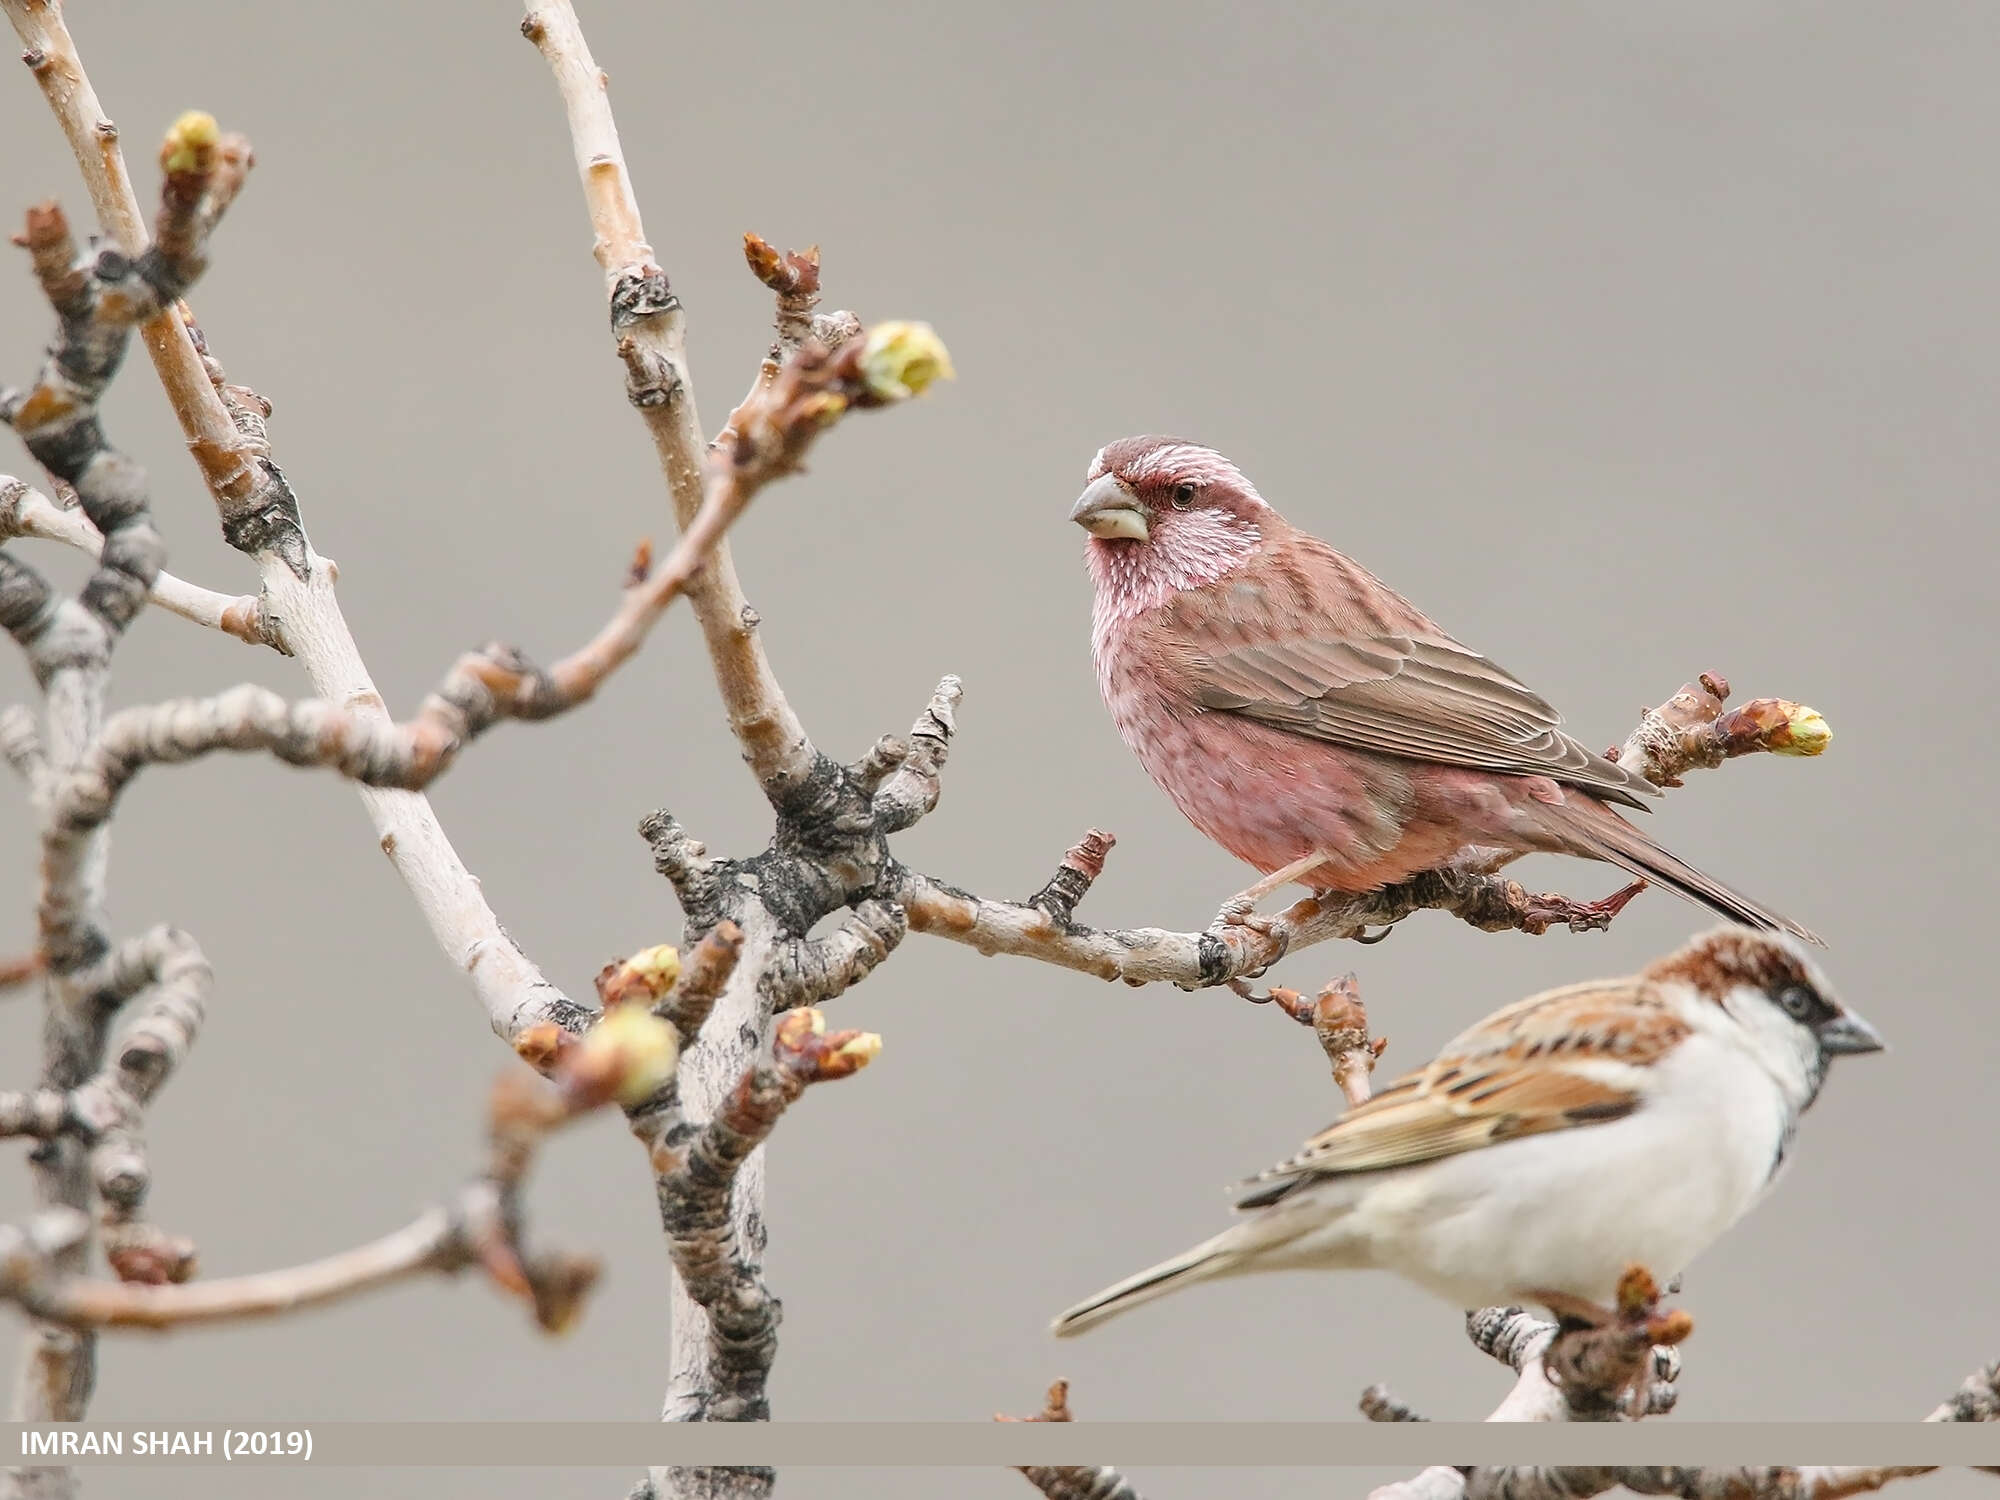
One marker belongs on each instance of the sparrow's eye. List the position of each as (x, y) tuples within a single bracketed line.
[(1800, 1003), (1183, 495)]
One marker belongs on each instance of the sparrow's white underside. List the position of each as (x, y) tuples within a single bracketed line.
[(1551, 1147)]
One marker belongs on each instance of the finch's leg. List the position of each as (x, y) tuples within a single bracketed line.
[(1239, 910)]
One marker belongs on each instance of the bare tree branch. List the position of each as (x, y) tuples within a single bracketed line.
[(1780, 1482), (1601, 1375), (52, 56), (700, 984), (1521, 1338), (1071, 1482), (69, 643), (1379, 1404), (718, 1269), (481, 1226), (1976, 1400), (165, 973), (828, 854), (1339, 1023), (827, 847), (776, 426), (27, 512), (794, 276), (260, 517), (649, 331), (1690, 732), (696, 1175)]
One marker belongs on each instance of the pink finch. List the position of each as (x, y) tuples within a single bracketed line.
[(1296, 708)]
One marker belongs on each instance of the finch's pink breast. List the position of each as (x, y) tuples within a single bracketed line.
[(1270, 797)]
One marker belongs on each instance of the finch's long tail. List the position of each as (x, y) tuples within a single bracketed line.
[(1595, 830), (1220, 1256)]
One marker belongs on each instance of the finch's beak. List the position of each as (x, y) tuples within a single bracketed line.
[(1847, 1032), (1107, 508)]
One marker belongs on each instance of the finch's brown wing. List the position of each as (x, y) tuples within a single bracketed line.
[(1538, 1065), (1416, 695)]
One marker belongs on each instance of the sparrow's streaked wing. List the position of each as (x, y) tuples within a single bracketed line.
[(1536, 1066)]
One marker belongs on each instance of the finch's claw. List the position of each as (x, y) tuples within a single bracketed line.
[(1552, 909), (1252, 921), (1236, 912), (1269, 932)]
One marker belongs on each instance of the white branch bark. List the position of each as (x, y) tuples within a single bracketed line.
[(260, 517), (25, 511)]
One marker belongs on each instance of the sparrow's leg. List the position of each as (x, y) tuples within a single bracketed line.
[(1550, 909), (1606, 1357)]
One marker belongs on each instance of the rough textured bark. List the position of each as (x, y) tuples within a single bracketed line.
[(1514, 1338), (69, 644), (1691, 731), (1072, 1481), (481, 1226), (261, 518)]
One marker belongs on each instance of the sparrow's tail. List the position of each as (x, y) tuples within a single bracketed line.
[(1220, 1256), (1595, 830)]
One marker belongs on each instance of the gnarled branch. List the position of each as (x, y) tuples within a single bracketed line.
[(260, 517), (481, 1226), (1689, 732)]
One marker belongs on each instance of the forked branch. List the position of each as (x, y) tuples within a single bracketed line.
[(483, 1225)]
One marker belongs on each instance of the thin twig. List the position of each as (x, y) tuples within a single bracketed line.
[(480, 1226), (260, 516), (650, 336), (1517, 1339), (1339, 1022), (25, 511), (1694, 731), (69, 643), (93, 140), (1070, 1481), (1690, 732)]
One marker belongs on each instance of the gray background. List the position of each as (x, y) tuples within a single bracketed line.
[(1629, 341)]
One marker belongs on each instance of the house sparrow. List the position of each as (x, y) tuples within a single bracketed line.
[(1558, 1142), (1308, 719)]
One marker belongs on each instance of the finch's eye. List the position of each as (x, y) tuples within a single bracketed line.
[(1183, 495), (1799, 1002)]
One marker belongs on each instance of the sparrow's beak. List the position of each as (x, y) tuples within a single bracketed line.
[(1847, 1032), (1107, 508)]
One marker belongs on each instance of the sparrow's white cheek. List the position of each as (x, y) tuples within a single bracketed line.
[(1787, 1051)]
